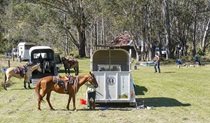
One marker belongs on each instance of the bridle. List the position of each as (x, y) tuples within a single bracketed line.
[(92, 77)]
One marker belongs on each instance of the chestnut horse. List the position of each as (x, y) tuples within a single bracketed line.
[(70, 63), (10, 72), (47, 84)]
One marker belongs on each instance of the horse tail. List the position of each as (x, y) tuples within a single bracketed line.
[(37, 89), (5, 78)]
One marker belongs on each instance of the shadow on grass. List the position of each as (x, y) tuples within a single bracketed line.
[(169, 72), (140, 90), (110, 106), (160, 102)]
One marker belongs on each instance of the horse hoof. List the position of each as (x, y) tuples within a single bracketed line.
[(5, 88), (52, 109)]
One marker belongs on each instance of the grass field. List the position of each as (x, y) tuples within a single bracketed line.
[(175, 95)]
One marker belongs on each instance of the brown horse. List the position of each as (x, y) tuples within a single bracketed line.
[(49, 84), (70, 63), (10, 72)]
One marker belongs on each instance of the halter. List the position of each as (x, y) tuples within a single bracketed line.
[(92, 77)]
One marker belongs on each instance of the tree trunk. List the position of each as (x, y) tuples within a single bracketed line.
[(167, 30), (66, 44), (194, 35), (81, 26), (82, 40), (96, 34), (203, 48)]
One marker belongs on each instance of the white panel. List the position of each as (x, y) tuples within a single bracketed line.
[(101, 90), (111, 86)]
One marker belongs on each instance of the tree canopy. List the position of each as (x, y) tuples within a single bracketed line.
[(79, 25)]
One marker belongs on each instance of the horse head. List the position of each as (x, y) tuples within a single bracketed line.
[(63, 59), (38, 67), (92, 79)]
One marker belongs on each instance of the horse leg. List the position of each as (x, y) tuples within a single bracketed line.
[(40, 99), (77, 68), (29, 85), (24, 84), (74, 106), (48, 100), (6, 79), (29, 82), (39, 103), (75, 71), (69, 100), (65, 70)]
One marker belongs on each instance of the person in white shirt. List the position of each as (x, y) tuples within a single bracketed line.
[(157, 62), (91, 91)]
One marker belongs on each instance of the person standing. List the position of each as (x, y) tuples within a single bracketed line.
[(91, 91), (157, 62)]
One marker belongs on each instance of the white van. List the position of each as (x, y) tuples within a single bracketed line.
[(23, 50)]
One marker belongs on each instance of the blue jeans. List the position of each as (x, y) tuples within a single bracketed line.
[(157, 64)]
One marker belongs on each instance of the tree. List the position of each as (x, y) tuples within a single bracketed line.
[(3, 4), (86, 24), (75, 12)]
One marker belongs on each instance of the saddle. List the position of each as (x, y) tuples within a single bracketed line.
[(72, 61), (64, 83), (70, 81), (58, 80), (21, 70)]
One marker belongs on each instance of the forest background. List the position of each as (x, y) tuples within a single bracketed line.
[(76, 26)]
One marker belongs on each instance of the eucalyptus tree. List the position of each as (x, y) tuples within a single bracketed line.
[(22, 21), (75, 16), (3, 4), (126, 15), (205, 23), (160, 23), (188, 20), (141, 18)]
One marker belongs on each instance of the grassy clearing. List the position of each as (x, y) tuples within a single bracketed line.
[(176, 95)]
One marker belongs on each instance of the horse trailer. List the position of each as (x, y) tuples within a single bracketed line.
[(112, 69), (23, 50), (47, 58)]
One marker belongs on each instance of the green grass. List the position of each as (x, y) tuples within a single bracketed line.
[(175, 95)]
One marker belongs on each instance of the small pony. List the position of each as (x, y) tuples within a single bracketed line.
[(57, 84), (16, 72), (70, 63)]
